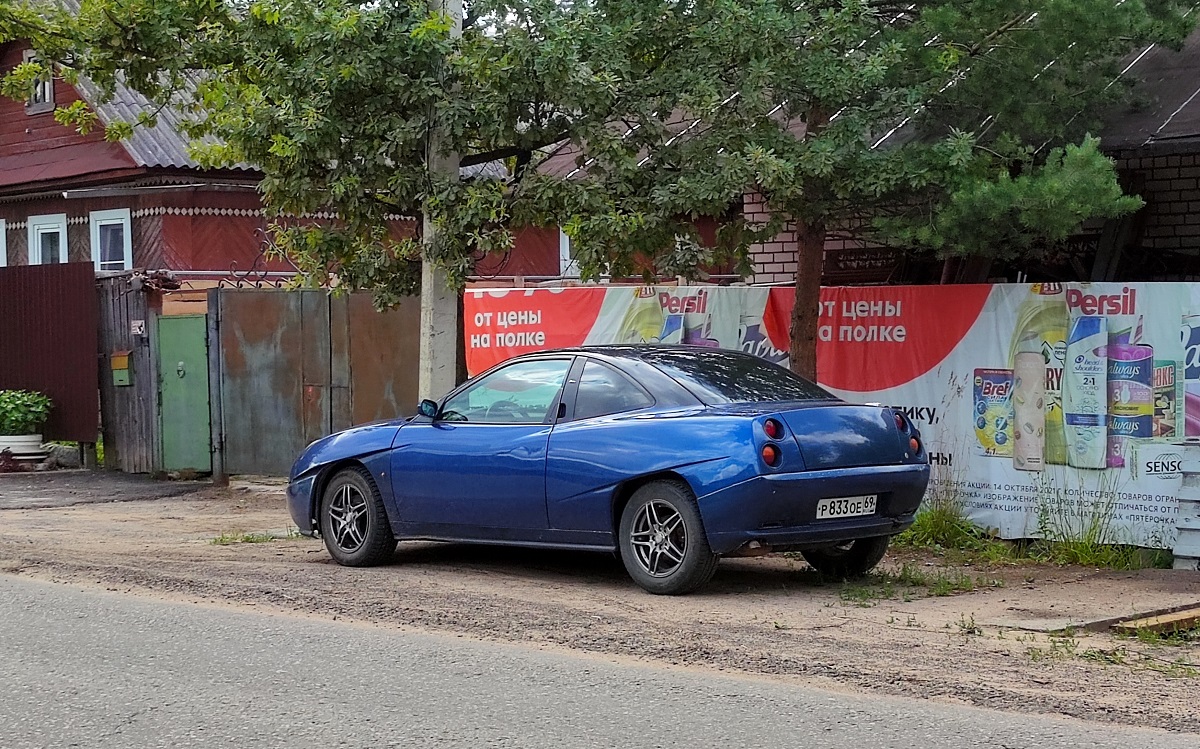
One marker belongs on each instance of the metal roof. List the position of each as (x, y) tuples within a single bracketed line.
[(163, 145), (166, 144), (1166, 107)]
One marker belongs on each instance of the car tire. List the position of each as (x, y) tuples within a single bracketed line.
[(662, 540), (850, 559), (354, 524)]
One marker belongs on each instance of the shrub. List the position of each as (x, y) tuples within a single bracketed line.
[(22, 412)]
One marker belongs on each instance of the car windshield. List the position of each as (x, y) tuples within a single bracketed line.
[(729, 377)]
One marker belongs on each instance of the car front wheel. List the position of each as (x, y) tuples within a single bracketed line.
[(662, 540), (849, 559), (354, 524)]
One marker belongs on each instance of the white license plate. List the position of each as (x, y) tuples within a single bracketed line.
[(846, 507)]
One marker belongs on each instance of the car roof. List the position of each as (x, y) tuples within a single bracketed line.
[(639, 350)]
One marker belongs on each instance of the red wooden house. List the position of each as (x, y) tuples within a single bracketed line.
[(140, 203)]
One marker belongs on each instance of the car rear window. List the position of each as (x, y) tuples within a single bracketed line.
[(728, 377)]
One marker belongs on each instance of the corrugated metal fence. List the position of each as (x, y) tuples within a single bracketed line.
[(48, 343)]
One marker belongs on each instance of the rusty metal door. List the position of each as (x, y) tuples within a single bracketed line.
[(292, 366)]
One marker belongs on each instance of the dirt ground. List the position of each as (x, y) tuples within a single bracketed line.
[(983, 644)]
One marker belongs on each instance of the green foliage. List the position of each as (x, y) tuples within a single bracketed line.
[(1009, 217), (22, 412), (949, 126)]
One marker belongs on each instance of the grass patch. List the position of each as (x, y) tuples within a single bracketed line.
[(225, 539), (942, 527), (941, 524), (1091, 553), (910, 582)]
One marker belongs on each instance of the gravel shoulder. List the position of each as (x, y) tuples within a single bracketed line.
[(767, 616)]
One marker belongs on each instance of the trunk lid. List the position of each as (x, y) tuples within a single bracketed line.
[(846, 436)]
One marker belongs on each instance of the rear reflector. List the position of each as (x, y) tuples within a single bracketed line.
[(770, 455), (773, 429)]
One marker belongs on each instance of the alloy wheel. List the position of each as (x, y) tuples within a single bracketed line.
[(348, 518), (659, 538)]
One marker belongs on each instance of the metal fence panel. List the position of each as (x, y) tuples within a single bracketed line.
[(48, 343), (384, 351), (261, 382), (293, 366)]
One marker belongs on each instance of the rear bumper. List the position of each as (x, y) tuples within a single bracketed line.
[(299, 502), (780, 510)]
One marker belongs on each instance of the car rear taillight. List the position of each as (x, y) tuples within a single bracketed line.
[(915, 444), (901, 422), (773, 429), (771, 454)]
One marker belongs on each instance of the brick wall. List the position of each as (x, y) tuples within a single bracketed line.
[(775, 261), (1170, 184)]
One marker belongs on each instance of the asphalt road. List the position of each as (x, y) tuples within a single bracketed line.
[(90, 669)]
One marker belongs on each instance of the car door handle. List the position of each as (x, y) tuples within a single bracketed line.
[(562, 410)]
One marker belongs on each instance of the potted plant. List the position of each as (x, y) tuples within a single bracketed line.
[(22, 415)]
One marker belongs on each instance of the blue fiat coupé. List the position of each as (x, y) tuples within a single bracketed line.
[(671, 457)]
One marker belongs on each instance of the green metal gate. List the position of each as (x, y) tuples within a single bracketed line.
[(183, 393)]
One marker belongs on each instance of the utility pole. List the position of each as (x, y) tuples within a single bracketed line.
[(438, 367)]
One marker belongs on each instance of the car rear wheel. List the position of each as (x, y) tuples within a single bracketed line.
[(354, 524), (662, 540), (849, 559)]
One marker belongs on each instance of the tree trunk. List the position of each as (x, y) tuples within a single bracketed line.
[(810, 261)]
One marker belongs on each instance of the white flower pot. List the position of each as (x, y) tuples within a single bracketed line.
[(25, 448)]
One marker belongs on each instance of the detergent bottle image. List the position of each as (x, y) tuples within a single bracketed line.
[(1029, 406), (1085, 393), (1042, 317), (644, 319)]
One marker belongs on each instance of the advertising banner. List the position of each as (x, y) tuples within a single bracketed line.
[(1048, 409)]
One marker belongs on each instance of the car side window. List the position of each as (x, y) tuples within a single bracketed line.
[(520, 393), (604, 391)]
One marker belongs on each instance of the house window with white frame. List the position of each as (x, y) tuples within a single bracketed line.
[(48, 239), (112, 242), (41, 98), (568, 267), (3, 243)]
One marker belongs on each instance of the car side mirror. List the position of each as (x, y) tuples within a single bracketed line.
[(428, 409)]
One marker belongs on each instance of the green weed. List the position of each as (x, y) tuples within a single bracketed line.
[(912, 576), (1174, 638), (866, 595), (225, 539), (966, 625), (1109, 657)]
